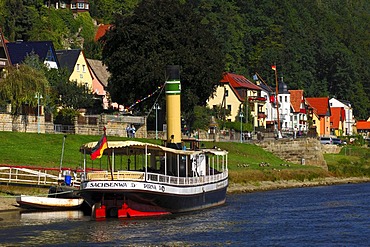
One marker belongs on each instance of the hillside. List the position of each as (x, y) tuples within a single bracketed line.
[(319, 46)]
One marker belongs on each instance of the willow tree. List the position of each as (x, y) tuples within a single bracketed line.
[(20, 85)]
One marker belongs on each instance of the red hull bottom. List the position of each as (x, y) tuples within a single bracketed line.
[(125, 212)]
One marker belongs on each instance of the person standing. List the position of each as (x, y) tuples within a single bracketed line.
[(133, 131)]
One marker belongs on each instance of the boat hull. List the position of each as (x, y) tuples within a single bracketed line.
[(154, 197), (37, 202)]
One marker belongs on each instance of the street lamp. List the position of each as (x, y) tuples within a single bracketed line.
[(156, 107), (241, 126), (38, 96)]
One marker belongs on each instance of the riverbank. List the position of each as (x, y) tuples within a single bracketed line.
[(8, 202), (286, 184)]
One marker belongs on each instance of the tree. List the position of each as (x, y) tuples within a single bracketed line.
[(160, 33), (20, 86)]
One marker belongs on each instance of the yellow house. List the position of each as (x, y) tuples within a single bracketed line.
[(75, 62), (232, 93), (320, 114)]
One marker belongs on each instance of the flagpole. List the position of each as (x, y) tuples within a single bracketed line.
[(277, 99), (109, 161)]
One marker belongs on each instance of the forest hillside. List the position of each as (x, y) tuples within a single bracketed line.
[(320, 46)]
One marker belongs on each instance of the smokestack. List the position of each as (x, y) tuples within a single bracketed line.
[(173, 106)]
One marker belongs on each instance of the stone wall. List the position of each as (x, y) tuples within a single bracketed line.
[(305, 151)]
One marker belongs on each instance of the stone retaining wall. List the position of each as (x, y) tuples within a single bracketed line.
[(305, 151)]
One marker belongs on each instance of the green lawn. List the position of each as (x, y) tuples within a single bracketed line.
[(44, 150)]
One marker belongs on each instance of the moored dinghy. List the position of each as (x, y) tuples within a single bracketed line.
[(144, 179)]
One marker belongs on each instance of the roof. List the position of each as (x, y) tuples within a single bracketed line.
[(296, 97), (239, 81), (363, 125), (102, 29), (321, 105), (337, 115), (68, 58), (99, 70), (122, 148), (18, 51)]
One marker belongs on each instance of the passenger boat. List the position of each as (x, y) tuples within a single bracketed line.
[(50, 203), (148, 179), (145, 179)]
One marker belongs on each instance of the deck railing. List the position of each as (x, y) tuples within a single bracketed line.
[(155, 177)]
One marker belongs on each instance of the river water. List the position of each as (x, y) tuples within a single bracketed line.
[(317, 216)]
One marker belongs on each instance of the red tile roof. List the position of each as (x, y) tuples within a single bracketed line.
[(321, 105), (239, 81), (337, 116), (296, 97), (363, 125), (102, 29)]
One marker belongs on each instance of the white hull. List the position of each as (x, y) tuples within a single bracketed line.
[(38, 202)]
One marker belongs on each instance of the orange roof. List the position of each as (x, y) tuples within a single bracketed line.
[(337, 115), (296, 97), (363, 125), (321, 105), (239, 81), (102, 29)]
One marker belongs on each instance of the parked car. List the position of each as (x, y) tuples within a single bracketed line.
[(326, 140), (337, 141)]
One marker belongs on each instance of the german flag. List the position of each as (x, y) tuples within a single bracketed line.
[(97, 151)]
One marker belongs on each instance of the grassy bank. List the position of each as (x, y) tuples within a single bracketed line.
[(247, 163)]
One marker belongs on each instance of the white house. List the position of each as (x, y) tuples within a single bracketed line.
[(349, 120)]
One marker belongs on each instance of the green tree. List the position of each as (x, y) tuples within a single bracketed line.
[(157, 34), (20, 86)]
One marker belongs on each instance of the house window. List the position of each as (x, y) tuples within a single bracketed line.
[(81, 5), (314, 121), (83, 68), (226, 93), (286, 98), (280, 98), (78, 67), (81, 76), (73, 6), (229, 107), (86, 6)]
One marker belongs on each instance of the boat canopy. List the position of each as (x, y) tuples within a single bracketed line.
[(123, 147)]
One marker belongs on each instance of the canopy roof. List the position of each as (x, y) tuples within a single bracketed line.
[(131, 147)]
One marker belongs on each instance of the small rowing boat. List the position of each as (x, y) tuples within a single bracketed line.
[(51, 203)]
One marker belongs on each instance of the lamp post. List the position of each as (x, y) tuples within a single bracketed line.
[(38, 96), (156, 107), (241, 126)]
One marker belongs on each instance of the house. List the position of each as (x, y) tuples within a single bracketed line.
[(298, 115), (319, 113), (77, 66), (284, 107), (76, 6), (18, 51), (102, 29), (4, 55), (363, 127), (349, 120), (100, 80), (337, 120), (234, 91), (269, 108)]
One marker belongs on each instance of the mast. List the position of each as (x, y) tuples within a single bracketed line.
[(277, 98)]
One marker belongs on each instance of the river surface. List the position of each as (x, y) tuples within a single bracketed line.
[(317, 216)]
